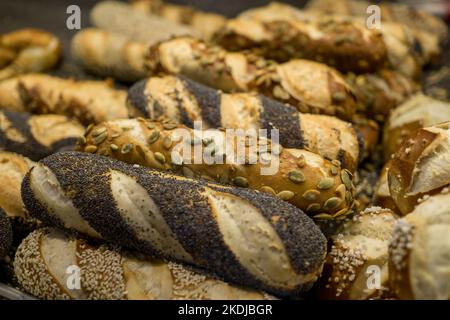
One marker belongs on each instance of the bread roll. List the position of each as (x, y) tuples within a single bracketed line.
[(109, 54), (5, 233), (309, 86), (382, 196), (242, 236), (358, 247), (87, 101), (47, 260), (419, 253), (417, 112), (420, 167), (37, 136), (185, 101), (316, 185)]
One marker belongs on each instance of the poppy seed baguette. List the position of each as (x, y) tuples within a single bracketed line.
[(37, 136), (318, 186), (86, 101), (43, 260), (5, 233), (242, 236), (185, 101), (309, 86)]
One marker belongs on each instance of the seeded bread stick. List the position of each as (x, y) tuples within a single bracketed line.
[(309, 86), (185, 101), (5, 233), (86, 101), (318, 186), (419, 262), (110, 273), (205, 23), (109, 54), (242, 236), (358, 244), (348, 46), (37, 136)]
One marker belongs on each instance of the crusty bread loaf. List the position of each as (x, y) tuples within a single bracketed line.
[(5, 233), (318, 186), (242, 236), (420, 167), (359, 244), (37, 136), (205, 23), (87, 101), (382, 195), (309, 86), (419, 260), (417, 112), (47, 258), (13, 168), (119, 17), (276, 32), (185, 101), (109, 54)]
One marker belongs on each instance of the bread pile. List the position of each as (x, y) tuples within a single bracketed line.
[(341, 190)]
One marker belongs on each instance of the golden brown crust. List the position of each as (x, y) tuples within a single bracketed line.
[(308, 181), (309, 86), (87, 101), (382, 195)]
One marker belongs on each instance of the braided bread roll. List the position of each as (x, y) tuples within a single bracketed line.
[(420, 167), (417, 112), (316, 185), (309, 86), (87, 101), (37, 136), (5, 234), (109, 54), (184, 101), (419, 261), (45, 260), (205, 23), (357, 245), (245, 237), (282, 32)]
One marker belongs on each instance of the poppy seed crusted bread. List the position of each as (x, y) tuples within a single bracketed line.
[(5, 233), (242, 236)]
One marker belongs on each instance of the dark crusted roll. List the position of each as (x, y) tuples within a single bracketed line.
[(185, 101), (37, 136), (5, 233), (242, 236)]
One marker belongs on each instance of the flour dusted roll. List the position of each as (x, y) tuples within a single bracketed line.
[(36, 136), (185, 101), (358, 244), (5, 233), (109, 273), (318, 186), (307, 85), (109, 54), (419, 260), (87, 101), (245, 237), (421, 166), (417, 112)]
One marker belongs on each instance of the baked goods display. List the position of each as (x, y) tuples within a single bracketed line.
[(280, 152)]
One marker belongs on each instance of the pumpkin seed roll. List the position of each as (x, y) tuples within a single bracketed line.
[(307, 85), (242, 236), (185, 101), (318, 186)]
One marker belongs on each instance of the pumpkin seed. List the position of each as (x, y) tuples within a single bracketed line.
[(325, 184), (313, 207), (167, 142), (100, 138), (89, 127), (345, 177), (323, 216), (126, 148), (151, 125), (341, 212), (336, 163), (114, 147), (98, 131), (154, 136), (90, 149), (311, 195), (169, 126), (82, 140), (160, 157), (340, 191), (286, 195), (333, 170), (296, 176), (332, 203), (240, 182), (348, 197), (268, 189), (301, 161)]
